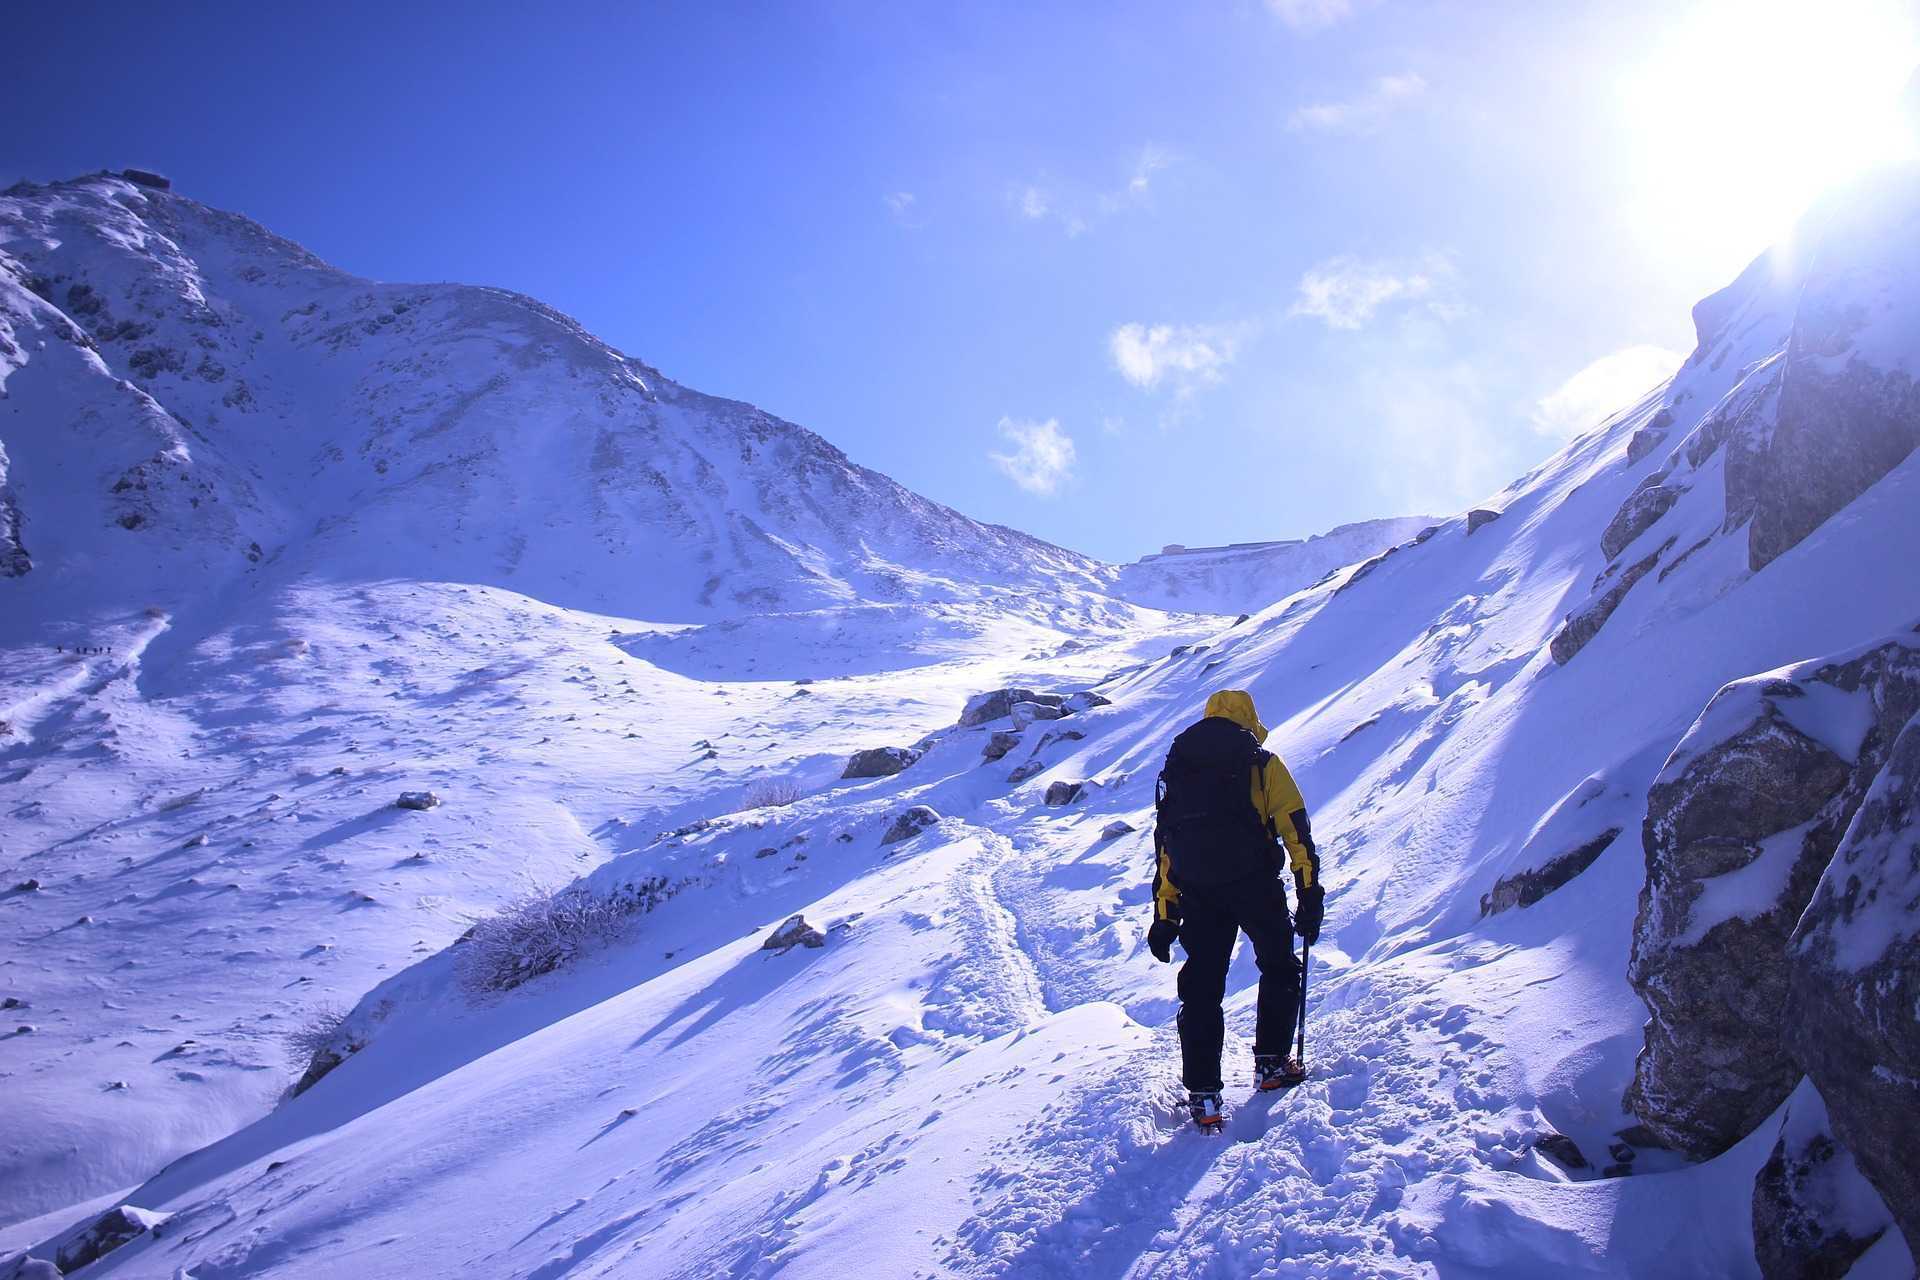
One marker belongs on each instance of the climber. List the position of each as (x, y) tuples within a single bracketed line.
[(1227, 811)]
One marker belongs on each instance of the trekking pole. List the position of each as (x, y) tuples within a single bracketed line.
[(1300, 1050)]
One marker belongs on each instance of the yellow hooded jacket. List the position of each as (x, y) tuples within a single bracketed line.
[(1276, 798)]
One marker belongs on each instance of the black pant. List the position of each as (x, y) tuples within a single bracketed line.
[(1211, 919)]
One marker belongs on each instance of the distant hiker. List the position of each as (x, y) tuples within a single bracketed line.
[(1228, 820)]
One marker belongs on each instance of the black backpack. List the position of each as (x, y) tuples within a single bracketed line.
[(1204, 807)]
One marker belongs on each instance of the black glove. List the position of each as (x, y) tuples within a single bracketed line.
[(1160, 940), (1310, 904)]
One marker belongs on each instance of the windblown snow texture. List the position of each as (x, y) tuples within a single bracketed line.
[(975, 1074)]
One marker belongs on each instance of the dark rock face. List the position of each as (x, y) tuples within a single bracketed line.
[(417, 800), (997, 704), (1582, 626), (1750, 796), (1637, 514), (879, 762), (1524, 888), (796, 932), (1115, 829), (1479, 518), (910, 824), (106, 1233), (1855, 983), (1032, 768), (1813, 1215), (1649, 437)]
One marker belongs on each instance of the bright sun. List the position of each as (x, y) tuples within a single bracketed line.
[(1745, 110)]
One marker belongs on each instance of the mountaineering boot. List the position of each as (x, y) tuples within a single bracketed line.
[(1271, 1071), (1206, 1110)]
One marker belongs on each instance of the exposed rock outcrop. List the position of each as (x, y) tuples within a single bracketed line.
[(1855, 983), (1813, 1214), (1524, 888), (1479, 518), (910, 823), (1637, 514), (14, 560), (1584, 624), (796, 932), (879, 762), (1059, 793), (106, 1233), (1740, 825)]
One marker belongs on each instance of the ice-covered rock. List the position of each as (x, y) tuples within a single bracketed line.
[(106, 1233), (1584, 623), (1740, 825), (879, 762), (1854, 984), (1813, 1214), (1085, 700), (910, 823)]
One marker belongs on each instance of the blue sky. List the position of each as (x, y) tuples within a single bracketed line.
[(1117, 274)]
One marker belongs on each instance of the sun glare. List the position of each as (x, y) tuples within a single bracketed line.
[(1744, 111)]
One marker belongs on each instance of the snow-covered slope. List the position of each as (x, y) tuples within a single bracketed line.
[(975, 1073), (189, 394), (1249, 576)]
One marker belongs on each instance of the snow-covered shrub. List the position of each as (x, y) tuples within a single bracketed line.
[(770, 793), (538, 932), (321, 1043), (320, 1030)]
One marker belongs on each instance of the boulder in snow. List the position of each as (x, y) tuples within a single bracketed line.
[(1479, 518), (419, 800), (911, 823), (796, 932), (1031, 769), (1002, 741), (879, 762), (1115, 829), (1025, 713), (106, 1233), (997, 704), (1563, 1151), (1060, 793), (1087, 699)]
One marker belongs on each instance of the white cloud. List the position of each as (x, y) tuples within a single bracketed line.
[(1345, 292), (1078, 207), (1035, 203), (1042, 457), (1190, 356), (901, 204), (1311, 15), (1363, 114), (1608, 385), (1150, 161)]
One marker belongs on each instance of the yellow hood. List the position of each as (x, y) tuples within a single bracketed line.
[(1237, 706)]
